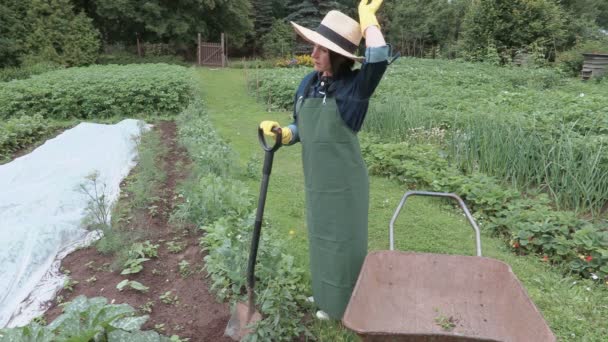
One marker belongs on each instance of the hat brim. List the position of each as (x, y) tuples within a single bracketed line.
[(315, 38)]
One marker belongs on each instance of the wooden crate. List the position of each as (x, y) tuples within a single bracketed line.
[(595, 65)]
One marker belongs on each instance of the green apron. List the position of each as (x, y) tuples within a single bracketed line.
[(337, 202)]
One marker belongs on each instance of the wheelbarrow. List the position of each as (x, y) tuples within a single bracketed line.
[(423, 297)]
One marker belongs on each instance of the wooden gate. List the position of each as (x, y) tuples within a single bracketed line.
[(212, 54)]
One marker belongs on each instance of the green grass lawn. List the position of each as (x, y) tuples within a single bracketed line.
[(575, 309)]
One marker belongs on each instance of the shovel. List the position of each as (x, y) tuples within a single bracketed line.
[(245, 314)]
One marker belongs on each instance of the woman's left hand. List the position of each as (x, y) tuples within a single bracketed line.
[(367, 14)]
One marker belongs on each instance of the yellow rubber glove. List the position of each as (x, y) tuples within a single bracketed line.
[(267, 127), (367, 14)]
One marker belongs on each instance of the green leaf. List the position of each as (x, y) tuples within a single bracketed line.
[(120, 286), (139, 336), (129, 323)]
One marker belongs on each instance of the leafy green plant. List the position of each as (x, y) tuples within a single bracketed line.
[(69, 284), (87, 319), (168, 298), (133, 265), (174, 247), (40, 320), (147, 307), (98, 206), (135, 285), (144, 249), (137, 255), (446, 323), (184, 268)]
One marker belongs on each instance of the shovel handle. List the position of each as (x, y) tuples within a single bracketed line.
[(435, 194), (257, 228), (277, 139)]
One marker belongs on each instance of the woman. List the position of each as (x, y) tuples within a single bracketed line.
[(330, 106)]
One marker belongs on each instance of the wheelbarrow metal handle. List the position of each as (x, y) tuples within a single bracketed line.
[(435, 194)]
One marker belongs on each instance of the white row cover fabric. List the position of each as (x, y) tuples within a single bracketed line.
[(41, 209)]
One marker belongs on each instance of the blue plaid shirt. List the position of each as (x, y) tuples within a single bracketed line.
[(355, 89)]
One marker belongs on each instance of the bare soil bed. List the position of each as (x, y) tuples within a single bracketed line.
[(190, 311)]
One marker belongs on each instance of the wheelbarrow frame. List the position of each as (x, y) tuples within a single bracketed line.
[(408, 296)]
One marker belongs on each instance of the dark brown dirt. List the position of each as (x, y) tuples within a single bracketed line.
[(196, 314)]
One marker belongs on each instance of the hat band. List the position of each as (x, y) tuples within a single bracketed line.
[(336, 38)]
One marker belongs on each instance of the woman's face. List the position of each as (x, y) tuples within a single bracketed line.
[(320, 55)]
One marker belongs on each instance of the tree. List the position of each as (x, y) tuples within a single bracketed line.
[(12, 31), (279, 41), (177, 22), (511, 25), (591, 10), (263, 16), (304, 13), (326, 6), (415, 26), (59, 35)]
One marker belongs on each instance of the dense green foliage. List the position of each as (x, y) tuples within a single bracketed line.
[(571, 62), (175, 22), (124, 57), (88, 319), (279, 41), (17, 133), (574, 308), (420, 27), (511, 25), (98, 92), (534, 129), (67, 31), (46, 31), (13, 31), (529, 223), (18, 73), (58, 35), (531, 127), (217, 202)]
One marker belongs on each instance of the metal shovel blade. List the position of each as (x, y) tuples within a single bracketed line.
[(242, 317)]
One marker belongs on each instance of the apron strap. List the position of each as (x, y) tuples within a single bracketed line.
[(301, 98)]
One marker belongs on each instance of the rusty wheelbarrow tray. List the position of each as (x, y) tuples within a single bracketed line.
[(406, 296)]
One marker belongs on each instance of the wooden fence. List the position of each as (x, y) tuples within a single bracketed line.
[(212, 54)]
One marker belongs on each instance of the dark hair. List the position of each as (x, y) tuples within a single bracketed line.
[(339, 63)]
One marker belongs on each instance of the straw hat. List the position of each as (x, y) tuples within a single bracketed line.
[(337, 32)]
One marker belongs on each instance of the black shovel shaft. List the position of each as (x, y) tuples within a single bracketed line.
[(255, 239), (257, 228)]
